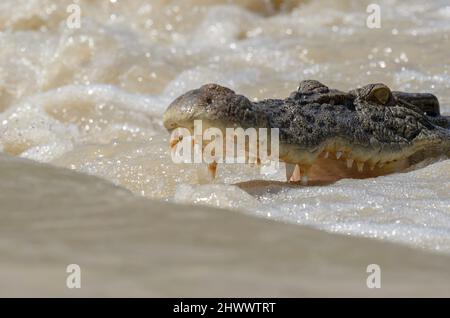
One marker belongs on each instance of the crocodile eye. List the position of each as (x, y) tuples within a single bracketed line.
[(380, 93), (376, 93)]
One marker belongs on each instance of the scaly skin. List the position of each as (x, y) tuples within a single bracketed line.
[(372, 126)]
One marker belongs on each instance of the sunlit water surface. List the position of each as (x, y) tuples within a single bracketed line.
[(91, 99)]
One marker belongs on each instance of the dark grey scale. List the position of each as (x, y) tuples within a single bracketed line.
[(389, 120), (312, 87), (371, 116), (316, 109), (427, 103), (318, 112), (311, 91), (424, 103)]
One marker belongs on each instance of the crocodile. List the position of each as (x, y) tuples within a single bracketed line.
[(327, 134)]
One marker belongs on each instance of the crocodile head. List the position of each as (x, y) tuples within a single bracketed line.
[(214, 104), (326, 134)]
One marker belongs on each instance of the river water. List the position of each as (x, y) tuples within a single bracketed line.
[(91, 98)]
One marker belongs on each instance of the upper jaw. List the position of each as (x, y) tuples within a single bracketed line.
[(182, 110)]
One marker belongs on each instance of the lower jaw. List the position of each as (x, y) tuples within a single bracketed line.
[(337, 159), (328, 170), (329, 165)]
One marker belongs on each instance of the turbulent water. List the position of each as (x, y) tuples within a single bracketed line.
[(91, 98)]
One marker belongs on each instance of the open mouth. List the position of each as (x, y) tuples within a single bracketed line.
[(338, 159), (331, 167), (326, 167)]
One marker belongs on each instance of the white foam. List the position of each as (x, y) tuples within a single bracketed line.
[(92, 99)]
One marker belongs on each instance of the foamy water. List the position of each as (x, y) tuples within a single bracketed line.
[(91, 98)]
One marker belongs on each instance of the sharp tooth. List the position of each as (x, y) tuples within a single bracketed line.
[(338, 154), (206, 173), (212, 168), (360, 166), (296, 175), (380, 164), (289, 171), (326, 155), (372, 167), (292, 172), (349, 163)]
